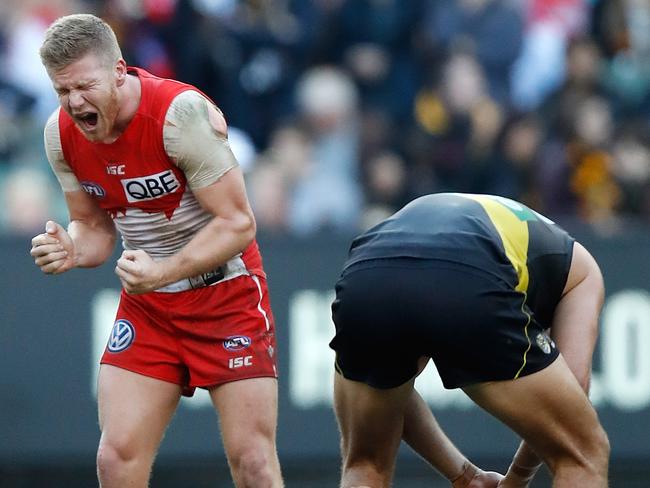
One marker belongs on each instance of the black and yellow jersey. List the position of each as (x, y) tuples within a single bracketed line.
[(496, 235)]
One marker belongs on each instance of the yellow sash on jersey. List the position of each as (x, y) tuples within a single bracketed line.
[(510, 220), (513, 230)]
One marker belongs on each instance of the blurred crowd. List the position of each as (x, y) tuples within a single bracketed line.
[(341, 111)]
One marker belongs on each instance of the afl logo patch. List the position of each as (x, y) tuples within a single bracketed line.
[(93, 189), (122, 336), (544, 343), (236, 343)]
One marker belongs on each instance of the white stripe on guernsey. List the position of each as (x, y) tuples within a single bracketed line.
[(259, 304)]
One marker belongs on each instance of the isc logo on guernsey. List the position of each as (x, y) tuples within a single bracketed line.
[(151, 186)]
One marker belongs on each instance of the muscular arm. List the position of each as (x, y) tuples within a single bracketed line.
[(425, 436), (423, 433), (91, 229), (575, 331), (90, 237), (230, 231), (195, 139)]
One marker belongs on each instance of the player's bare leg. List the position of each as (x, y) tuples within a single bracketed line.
[(134, 411), (549, 410), (248, 415), (371, 424)]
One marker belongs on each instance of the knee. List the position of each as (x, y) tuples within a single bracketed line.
[(591, 455), (113, 458), (253, 466), (601, 450), (595, 452), (364, 474)]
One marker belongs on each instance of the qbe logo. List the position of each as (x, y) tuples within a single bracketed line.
[(122, 336), (149, 187)]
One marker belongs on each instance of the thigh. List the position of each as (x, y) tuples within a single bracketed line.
[(142, 339), (134, 410), (248, 413), (371, 420), (548, 409)]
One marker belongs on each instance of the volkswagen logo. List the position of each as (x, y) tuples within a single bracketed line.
[(122, 336)]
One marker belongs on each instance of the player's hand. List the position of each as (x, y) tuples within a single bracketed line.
[(512, 480), (138, 272), (481, 479), (53, 251), (518, 477)]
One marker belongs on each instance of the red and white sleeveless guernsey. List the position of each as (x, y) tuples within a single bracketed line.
[(139, 185)]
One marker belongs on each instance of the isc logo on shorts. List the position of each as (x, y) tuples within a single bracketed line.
[(122, 336), (240, 362), (149, 187)]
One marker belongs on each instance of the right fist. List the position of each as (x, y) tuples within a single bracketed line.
[(53, 251)]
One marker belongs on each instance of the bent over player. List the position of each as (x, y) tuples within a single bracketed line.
[(473, 282), (150, 156)]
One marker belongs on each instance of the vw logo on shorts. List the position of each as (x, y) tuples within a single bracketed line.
[(122, 336), (235, 343)]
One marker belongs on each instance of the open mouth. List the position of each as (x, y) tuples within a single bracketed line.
[(88, 120)]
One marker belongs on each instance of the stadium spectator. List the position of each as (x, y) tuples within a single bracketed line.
[(27, 197), (622, 29), (541, 64), (151, 157), (386, 188), (630, 157), (584, 66), (489, 29), (472, 282), (276, 173), (327, 192), (511, 169), (26, 26), (457, 124), (249, 57)]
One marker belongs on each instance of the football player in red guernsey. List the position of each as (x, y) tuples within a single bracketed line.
[(150, 157)]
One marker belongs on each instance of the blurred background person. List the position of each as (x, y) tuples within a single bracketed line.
[(430, 81), (327, 193)]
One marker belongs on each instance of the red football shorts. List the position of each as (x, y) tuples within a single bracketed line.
[(196, 338)]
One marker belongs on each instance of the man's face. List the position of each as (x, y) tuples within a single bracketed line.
[(87, 91)]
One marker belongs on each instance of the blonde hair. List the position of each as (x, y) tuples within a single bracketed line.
[(70, 38)]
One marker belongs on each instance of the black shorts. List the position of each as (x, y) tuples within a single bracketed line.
[(390, 312)]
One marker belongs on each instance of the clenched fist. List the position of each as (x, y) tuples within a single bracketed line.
[(53, 251)]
